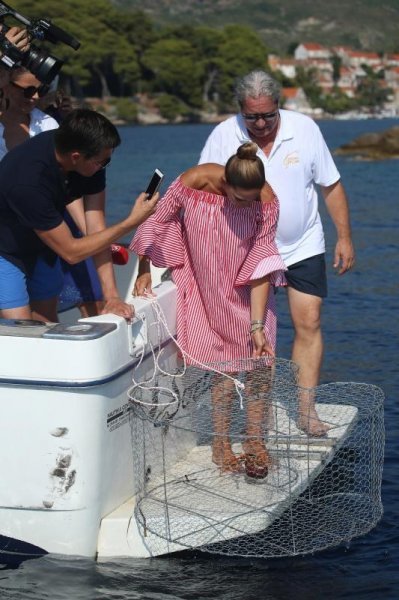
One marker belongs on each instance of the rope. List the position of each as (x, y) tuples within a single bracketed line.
[(161, 320)]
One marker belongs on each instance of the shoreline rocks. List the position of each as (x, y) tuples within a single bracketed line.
[(373, 146)]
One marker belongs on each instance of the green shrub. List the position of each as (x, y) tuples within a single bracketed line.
[(171, 107), (126, 109)]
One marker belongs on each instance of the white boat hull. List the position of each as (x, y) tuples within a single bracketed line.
[(68, 484), (65, 432)]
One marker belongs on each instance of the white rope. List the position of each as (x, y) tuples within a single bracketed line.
[(161, 320)]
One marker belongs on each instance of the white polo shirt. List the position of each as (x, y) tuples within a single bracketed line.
[(298, 160)]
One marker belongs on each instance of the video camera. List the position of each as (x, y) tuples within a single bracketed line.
[(44, 66)]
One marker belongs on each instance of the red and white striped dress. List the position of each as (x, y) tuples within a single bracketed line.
[(214, 249)]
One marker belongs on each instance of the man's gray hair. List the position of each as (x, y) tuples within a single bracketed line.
[(256, 84)]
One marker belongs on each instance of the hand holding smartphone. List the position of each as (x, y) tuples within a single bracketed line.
[(154, 184)]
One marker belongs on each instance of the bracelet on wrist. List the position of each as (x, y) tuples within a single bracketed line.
[(256, 328), (257, 322)]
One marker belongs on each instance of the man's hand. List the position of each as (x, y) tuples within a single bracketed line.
[(344, 256), (143, 208), (337, 205), (116, 306)]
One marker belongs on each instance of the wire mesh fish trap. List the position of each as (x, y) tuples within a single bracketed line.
[(222, 466)]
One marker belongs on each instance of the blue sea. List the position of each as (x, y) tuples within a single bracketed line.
[(360, 322)]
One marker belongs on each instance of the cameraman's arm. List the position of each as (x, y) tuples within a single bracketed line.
[(20, 39)]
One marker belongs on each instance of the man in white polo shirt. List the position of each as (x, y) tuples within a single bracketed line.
[(296, 159)]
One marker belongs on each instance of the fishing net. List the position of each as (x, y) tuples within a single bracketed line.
[(221, 465)]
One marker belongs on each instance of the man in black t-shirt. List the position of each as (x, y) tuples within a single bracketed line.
[(38, 179)]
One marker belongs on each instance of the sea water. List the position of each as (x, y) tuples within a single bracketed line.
[(360, 323)]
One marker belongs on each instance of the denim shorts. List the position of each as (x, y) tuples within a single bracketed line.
[(309, 276), (18, 288)]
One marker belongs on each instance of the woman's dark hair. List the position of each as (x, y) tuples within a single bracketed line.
[(245, 169), (86, 131)]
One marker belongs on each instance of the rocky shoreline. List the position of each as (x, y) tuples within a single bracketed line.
[(369, 146), (373, 146)]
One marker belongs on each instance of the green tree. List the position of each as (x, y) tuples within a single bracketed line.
[(171, 107), (369, 92), (206, 42), (336, 102), (121, 52), (240, 51), (104, 52), (336, 62), (126, 110), (307, 79), (176, 69)]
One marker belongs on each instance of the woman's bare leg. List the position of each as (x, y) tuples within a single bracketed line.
[(257, 458), (222, 400)]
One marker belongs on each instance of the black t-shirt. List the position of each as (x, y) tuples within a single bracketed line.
[(33, 194)]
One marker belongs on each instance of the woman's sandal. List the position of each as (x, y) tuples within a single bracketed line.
[(224, 457), (257, 460)]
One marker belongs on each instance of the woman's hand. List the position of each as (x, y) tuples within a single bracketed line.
[(260, 344), (143, 285)]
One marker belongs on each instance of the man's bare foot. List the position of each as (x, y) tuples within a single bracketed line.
[(310, 423), (308, 419), (224, 457)]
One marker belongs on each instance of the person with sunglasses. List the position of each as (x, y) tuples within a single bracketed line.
[(297, 161), (20, 118), (38, 179), (24, 118)]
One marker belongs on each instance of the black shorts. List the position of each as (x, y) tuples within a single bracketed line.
[(309, 276)]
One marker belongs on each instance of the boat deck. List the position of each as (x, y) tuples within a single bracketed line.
[(193, 504)]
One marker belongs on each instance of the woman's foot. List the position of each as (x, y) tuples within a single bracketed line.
[(257, 459), (224, 457)]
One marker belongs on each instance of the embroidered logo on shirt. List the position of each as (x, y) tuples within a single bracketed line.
[(291, 159)]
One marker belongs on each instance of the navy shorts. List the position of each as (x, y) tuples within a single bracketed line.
[(309, 276), (17, 288), (81, 283)]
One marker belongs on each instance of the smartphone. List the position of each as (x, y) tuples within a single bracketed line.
[(154, 184)]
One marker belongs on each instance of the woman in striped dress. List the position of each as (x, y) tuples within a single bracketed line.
[(215, 230)]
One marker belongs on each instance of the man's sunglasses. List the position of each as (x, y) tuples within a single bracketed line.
[(102, 163), (31, 90), (263, 116)]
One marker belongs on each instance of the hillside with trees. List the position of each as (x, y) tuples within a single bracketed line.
[(362, 24), (124, 54), (130, 58)]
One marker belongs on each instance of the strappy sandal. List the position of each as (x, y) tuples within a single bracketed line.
[(224, 458), (257, 460)]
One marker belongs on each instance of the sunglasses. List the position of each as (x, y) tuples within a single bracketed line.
[(263, 116), (31, 90), (102, 163)]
